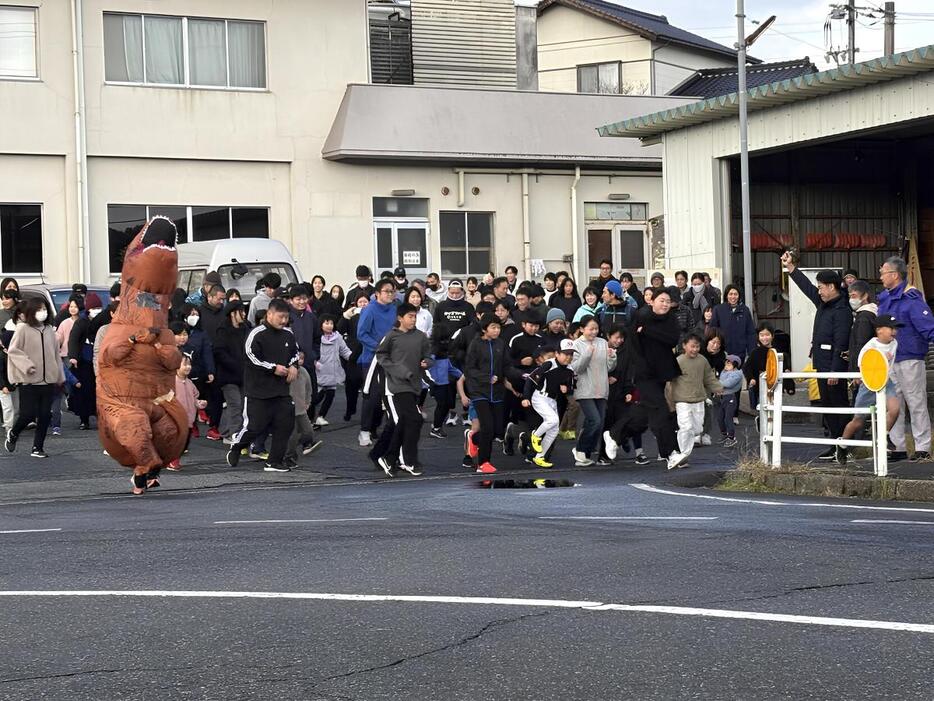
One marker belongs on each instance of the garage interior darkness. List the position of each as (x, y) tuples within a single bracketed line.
[(841, 204)]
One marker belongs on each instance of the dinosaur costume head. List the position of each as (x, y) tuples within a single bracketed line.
[(150, 275)]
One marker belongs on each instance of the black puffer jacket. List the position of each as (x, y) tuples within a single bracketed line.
[(830, 339)]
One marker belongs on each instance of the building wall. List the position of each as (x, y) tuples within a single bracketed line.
[(178, 146), (694, 223), (569, 38), (674, 64)]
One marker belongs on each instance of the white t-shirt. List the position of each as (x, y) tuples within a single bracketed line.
[(887, 349)]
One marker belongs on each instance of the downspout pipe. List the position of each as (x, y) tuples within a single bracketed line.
[(81, 149), (575, 242), (526, 234)]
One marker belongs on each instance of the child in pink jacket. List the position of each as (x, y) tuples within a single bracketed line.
[(187, 395)]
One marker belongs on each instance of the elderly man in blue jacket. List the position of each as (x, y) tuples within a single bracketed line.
[(906, 304)]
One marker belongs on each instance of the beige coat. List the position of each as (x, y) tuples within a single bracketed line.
[(697, 380), (33, 356)]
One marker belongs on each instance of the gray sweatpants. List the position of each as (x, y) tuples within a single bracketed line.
[(232, 418), (911, 380)]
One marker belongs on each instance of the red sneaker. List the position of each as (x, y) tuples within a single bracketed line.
[(174, 466), (471, 447), (486, 467), (203, 416), (195, 433), (214, 435)]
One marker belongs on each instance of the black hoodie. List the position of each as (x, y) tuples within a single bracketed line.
[(655, 341)]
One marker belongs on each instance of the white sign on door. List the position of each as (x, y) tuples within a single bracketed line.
[(411, 258)]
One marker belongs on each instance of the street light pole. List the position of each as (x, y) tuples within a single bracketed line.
[(744, 155)]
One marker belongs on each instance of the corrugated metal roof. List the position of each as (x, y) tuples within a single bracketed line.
[(711, 82), (804, 87), (655, 27), (399, 123)]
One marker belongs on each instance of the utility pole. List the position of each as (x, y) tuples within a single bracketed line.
[(851, 28), (744, 153), (889, 28)]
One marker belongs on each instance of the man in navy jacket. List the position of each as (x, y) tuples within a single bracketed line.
[(906, 304), (829, 342)]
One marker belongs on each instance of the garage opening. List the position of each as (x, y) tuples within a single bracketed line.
[(846, 204)]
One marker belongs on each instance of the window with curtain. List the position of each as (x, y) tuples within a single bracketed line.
[(600, 78), (162, 50), (18, 42), (21, 238)]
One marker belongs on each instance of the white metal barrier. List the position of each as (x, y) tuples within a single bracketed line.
[(771, 436)]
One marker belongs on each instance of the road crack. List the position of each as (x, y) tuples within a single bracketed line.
[(465, 640)]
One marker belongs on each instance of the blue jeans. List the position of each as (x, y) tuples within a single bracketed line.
[(593, 410)]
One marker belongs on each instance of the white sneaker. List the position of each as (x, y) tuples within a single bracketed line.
[(736, 420), (696, 440), (321, 421), (611, 446), (451, 421), (364, 439), (675, 459), (580, 460), (705, 439)]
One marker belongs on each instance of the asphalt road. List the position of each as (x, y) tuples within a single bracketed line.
[(168, 596)]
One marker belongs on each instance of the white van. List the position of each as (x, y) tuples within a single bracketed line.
[(240, 262)]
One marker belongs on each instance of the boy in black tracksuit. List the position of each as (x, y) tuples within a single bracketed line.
[(403, 354), (484, 368), (543, 386), (272, 364), (522, 349)]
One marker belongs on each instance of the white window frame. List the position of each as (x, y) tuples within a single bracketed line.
[(187, 85), (24, 273), (35, 14)]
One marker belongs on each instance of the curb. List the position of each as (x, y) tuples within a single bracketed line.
[(824, 485)]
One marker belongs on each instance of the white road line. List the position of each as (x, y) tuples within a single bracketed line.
[(488, 601), (302, 520), (34, 530), (764, 502), (908, 523), (629, 518)]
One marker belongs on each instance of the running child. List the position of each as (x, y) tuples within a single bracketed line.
[(543, 386), (689, 392), (187, 395), (484, 367)]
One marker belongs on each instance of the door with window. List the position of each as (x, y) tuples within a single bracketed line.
[(617, 233), (402, 243), (624, 244)]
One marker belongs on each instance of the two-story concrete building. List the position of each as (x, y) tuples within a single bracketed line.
[(243, 118)]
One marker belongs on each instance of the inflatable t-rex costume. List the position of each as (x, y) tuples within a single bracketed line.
[(141, 424)]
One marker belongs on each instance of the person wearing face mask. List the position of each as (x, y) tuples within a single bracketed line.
[(698, 297), (83, 401), (202, 356), (864, 321), (34, 365)]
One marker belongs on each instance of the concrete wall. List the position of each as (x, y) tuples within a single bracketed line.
[(178, 146), (569, 38)]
